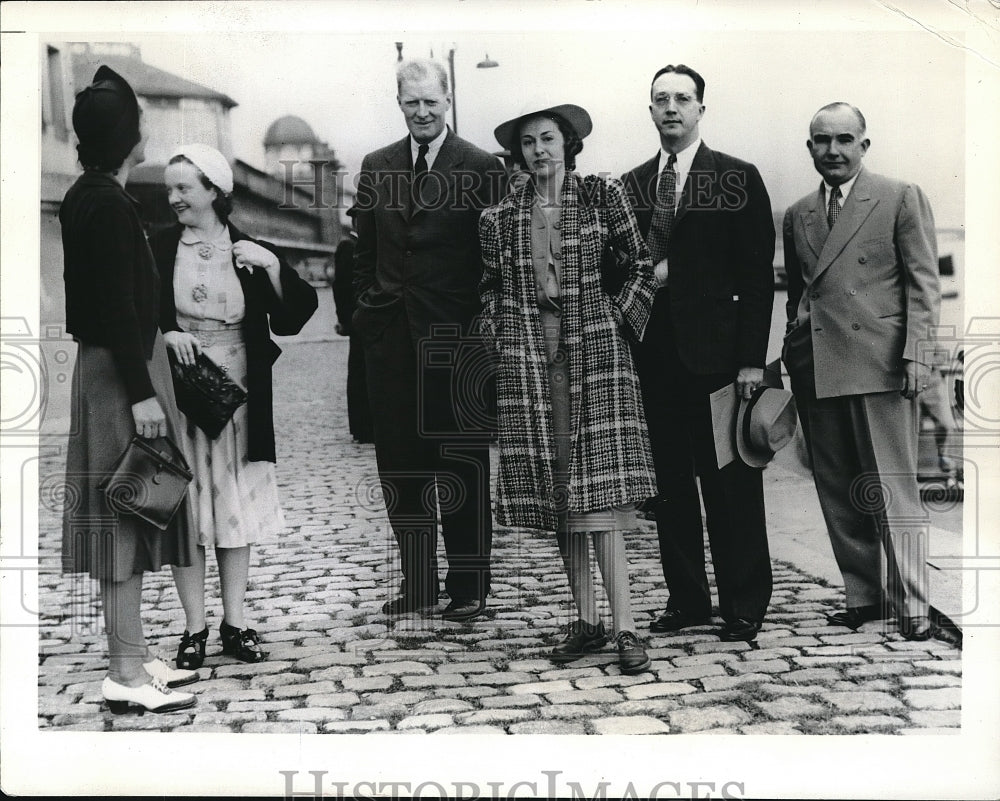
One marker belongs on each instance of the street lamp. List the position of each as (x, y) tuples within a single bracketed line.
[(485, 64)]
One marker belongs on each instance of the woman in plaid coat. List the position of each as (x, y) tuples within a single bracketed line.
[(574, 451)]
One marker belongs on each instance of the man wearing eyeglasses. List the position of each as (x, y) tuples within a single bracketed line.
[(707, 220)]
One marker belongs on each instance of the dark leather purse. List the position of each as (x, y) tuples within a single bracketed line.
[(149, 480), (206, 395)]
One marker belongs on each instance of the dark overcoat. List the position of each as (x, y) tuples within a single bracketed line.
[(610, 461), (265, 312)]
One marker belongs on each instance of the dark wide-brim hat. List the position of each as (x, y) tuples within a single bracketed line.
[(106, 120), (576, 116)]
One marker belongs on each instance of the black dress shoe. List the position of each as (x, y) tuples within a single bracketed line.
[(244, 644), (740, 630), (917, 629), (581, 639), (676, 619), (463, 609), (407, 606), (856, 616)]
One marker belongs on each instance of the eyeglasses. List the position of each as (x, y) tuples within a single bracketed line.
[(680, 99)]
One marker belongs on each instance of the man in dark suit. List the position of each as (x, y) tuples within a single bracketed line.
[(359, 415), (707, 220), (863, 296), (418, 268)]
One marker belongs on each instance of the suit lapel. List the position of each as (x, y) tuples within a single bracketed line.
[(437, 183), (856, 209), (702, 162), (398, 178), (814, 223), (647, 182)]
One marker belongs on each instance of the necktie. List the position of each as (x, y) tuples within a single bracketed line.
[(419, 173), (833, 210), (663, 211), (420, 167)]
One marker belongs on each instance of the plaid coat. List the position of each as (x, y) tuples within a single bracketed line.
[(610, 462)]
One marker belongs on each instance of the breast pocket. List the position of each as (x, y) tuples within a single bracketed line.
[(878, 251)]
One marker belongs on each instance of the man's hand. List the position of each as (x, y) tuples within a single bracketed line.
[(916, 376), (747, 380)]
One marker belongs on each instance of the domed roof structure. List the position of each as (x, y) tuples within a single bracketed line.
[(290, 130)]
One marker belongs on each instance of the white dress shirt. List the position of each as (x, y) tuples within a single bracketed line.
[(845, 190), (682, 167), (432, 148)]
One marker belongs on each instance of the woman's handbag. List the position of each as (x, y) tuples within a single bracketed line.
[(149, 480), (205, 393)]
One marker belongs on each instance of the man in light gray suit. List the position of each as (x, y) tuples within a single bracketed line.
[(863, 296)]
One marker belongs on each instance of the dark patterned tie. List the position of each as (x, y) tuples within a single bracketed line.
[(663, 211), (833, 210)]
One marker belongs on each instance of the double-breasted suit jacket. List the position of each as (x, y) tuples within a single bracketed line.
[(610, 461), (417, 271), (863, 298), (868, 288), (712, 319)]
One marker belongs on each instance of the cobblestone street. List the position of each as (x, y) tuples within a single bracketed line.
[(335, 666)]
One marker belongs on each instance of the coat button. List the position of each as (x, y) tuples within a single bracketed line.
[(854, 292), (862, 259), (557, 226), (855, 326), (814, 295), (557, 254)]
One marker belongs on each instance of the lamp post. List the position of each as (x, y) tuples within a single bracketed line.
[(485, 64)]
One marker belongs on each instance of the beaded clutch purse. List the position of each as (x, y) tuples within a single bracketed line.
[(206, 395)]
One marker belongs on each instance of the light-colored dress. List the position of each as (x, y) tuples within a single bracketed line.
[(235, 500), (546, 257)]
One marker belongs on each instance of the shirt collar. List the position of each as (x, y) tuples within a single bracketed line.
[(685, 158), (432, 147), (845, 189)]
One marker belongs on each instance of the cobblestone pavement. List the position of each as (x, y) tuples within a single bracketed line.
[(335, 666)]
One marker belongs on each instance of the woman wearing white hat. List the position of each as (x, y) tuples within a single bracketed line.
[(574, 452), (222, 293)]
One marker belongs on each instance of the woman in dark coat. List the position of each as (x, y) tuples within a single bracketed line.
[(574, 452), (222, 293), (121, 388)]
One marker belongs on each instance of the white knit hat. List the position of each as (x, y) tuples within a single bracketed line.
[(211, 162)]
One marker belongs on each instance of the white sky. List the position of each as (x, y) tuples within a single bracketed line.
[(762, 88)]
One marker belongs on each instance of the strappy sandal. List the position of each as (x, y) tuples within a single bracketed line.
[(244, 644), (191, 651)]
